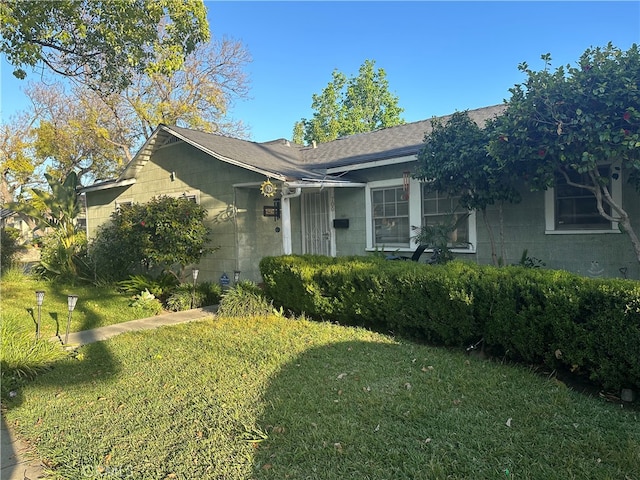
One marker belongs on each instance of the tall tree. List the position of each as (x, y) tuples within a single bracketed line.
[(199, 95), (101, 43), (350, 105), (78, 129), (75, 133), (574, 121), (56, 211), (455, 161), (17, 162)]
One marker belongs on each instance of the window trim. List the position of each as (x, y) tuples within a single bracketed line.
[(550, 212), (473, 232), (415, 216)]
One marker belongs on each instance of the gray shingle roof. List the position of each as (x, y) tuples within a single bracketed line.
[(402, 140), (285, 160)]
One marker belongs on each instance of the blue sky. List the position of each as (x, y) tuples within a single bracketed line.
[(439, 57)]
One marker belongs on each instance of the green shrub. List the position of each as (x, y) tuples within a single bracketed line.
[(9, 247), (184, 297), (528, 315), (161, 286), (245, 299), (21, 356), (211, 293), (146, 303)]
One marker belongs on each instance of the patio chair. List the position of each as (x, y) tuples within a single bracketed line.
[(414, 258)]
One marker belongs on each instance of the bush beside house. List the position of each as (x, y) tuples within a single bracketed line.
[(541, 317)]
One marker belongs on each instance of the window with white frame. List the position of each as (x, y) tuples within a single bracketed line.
[(438, 208), (390, 216), (571, 209)]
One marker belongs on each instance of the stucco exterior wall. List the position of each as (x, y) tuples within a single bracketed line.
[(235, 215), (589, 254), (350, 205)]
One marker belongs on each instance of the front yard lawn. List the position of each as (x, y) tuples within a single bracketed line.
[(276, 398), (96, 306)]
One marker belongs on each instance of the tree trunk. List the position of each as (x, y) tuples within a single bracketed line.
[(494, 257), (633, 236)]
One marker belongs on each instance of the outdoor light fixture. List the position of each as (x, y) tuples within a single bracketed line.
[(71, 302), (39, 301), (194, 274), (236, 276)]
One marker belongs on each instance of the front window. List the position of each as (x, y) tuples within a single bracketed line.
[(390, 216), (443, 211), (575, 207)]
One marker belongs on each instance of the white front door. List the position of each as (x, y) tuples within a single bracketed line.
[(318, 236)]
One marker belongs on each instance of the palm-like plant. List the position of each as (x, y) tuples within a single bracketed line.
[(56, 212)]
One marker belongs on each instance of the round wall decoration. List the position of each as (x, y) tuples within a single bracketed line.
[(268, 189)]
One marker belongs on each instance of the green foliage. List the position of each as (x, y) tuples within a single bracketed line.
[(348, 106), (438, 237), (569, 121), (454, 161), (161, 286), (21, 356), (527, 315), (160, 234), (146, 303), (125, 37), (530, 262), (184, 297), (9, 247), (57, 211), (245, 299), (57, 261)]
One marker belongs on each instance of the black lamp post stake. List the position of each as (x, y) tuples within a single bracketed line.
[(71, 303), (39, 301), (194, 273)]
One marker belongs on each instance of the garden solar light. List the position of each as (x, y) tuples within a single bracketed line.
[(71, 302), (39, 301), (194, 273)]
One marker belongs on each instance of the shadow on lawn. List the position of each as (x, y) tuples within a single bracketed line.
[(65, 372), (326, 415), (371, 410)]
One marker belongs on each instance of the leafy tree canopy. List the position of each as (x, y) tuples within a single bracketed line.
[(574, 121), (350, 105), (79, 129), (454, 160), (101, 43)]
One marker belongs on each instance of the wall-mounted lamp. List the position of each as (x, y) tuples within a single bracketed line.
[(172, 176), (39, 301), (71, 303), (236, 277)]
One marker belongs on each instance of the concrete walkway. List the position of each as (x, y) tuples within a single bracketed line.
[(17, 459)]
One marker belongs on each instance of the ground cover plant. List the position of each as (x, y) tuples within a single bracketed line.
[(267, 397)]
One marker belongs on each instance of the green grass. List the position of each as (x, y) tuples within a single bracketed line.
[(96, 307), (274, 398)]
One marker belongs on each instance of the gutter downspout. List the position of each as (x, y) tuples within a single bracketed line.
[(286, 217)]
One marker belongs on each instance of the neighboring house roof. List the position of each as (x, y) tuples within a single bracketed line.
[(287, 161), (6, 213)]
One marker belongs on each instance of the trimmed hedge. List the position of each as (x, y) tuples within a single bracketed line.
[(533, 316)]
